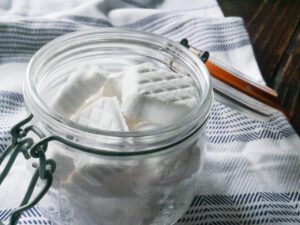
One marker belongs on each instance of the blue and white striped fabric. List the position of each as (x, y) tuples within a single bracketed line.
[(252, 169)]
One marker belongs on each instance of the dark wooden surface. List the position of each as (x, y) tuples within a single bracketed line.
[(274, 29)]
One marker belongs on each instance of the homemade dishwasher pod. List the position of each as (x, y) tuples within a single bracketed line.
[(142, 163)]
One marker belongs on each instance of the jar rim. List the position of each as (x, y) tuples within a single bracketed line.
[(39, 108)]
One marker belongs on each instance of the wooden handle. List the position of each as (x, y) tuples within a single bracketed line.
[(267, 97)]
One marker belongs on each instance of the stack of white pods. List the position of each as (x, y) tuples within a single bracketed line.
[(140, 98)]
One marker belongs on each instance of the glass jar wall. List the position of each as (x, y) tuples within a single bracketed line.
[(145, 177)]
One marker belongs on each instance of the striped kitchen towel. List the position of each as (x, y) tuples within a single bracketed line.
[(252, 169)]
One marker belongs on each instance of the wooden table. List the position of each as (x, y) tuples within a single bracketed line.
[(274, 29)]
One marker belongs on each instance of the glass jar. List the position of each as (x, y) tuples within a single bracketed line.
[(118, 178)]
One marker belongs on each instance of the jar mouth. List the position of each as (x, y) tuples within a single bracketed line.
[(51, 119)]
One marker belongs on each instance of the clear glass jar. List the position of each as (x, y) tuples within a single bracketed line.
[(125, 178)]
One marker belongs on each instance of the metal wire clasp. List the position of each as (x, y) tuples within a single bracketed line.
[(44, 168), (203, 55)]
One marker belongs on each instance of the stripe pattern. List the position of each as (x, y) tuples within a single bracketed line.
[(246, 209), (226, 125), (20, 40), (251, 208), (207, 34), (136, 3), (11, 110), (31, 216)]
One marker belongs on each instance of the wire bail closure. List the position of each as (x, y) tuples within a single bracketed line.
[(44, 168), (202, 55)]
